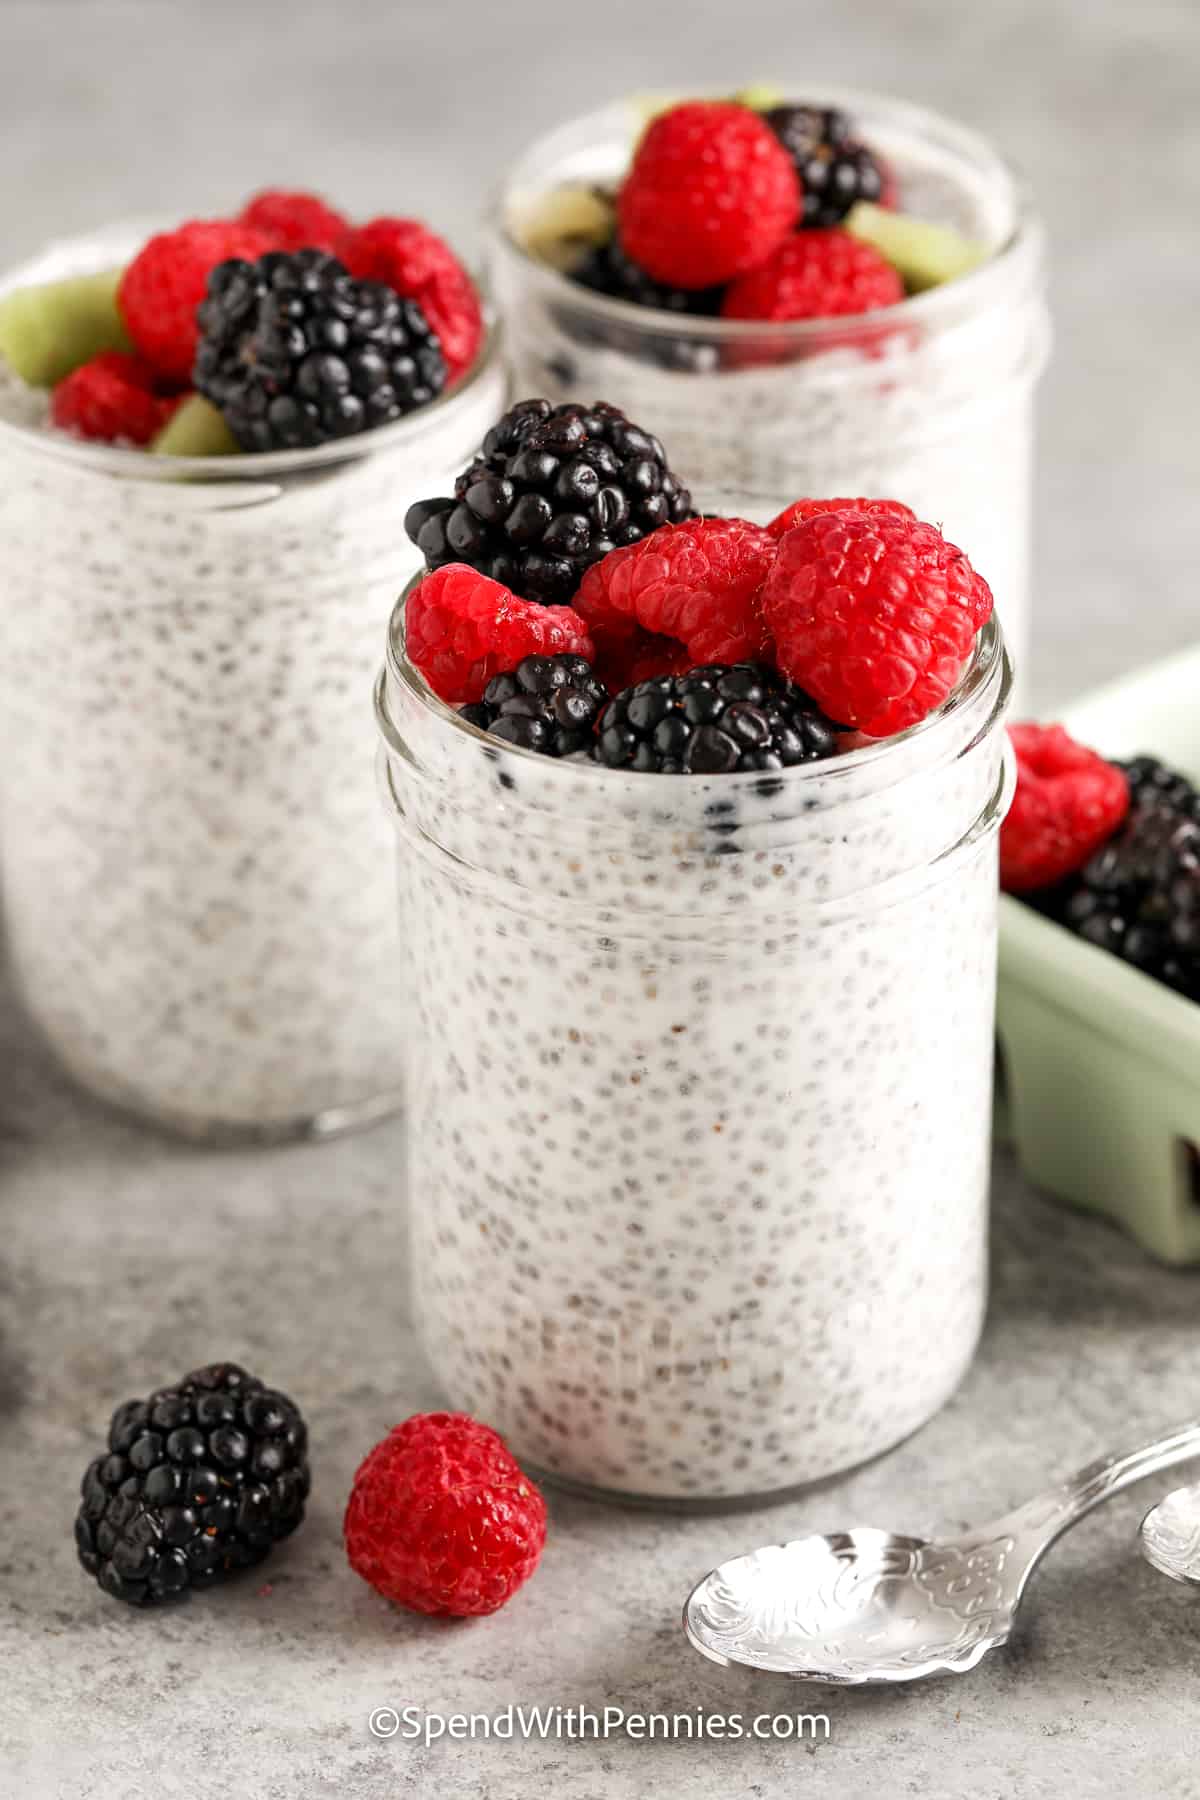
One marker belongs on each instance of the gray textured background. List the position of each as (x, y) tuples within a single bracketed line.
[(122, 1258)]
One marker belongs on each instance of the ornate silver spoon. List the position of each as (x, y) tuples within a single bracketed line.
[(1170, 1535), (869, 1606)]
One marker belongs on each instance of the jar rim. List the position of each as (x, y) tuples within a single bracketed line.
[(138, 464), (989, 666), (1020, 252)]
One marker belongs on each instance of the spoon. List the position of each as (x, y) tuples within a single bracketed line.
[(870, 1606), (1170, 1535)]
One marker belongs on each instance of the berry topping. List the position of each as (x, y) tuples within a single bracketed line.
[(164, 284), (712, 721), (412, 260), (199, 1481), (874, 615), (115, 397), (710, 194), (800, 510), (815, 275), (295, 221), (461, 628), (1139, 895), (442, 1520), (834, 171), (553, 490), (547, 703), (294, 352), (1069, 801), (607, 270), (699, 583)]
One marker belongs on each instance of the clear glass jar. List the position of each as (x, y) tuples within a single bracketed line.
[(930, 401), (195, 872), (700, 1094)]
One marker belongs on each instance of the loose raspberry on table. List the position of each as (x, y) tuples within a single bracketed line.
[(815, 275), (711, 193), (164, 284), (1068, 803), (461, 628), (874, 616), (441, 1518), (698, 583), (116, 398), (407, 256), (294, 220), (800, 510)]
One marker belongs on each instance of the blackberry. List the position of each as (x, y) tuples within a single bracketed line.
[(713, 720), (295, 352), (553, 489), (547, 703), (834, 171), (199, 1481), (607, 270), (1139, 896)]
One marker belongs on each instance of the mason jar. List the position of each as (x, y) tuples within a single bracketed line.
[(929, 401), (198, 900), (700, 1091)]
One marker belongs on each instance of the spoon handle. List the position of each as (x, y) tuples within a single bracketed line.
[(1041, 1520)]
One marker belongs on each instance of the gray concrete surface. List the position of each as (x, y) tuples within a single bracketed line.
[(123, 1258)]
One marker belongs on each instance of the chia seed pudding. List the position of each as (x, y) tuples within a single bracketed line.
[(928, 401), (194, 866), (700, 1091)]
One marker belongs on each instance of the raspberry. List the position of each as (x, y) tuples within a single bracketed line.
[(874, 615), (711, 193), (1069, 801), (699, 582), (461, 628), (295, 221), (800, 510), (815, 275), (442, 1520), (166, 281), (115, 397), (407, 256)]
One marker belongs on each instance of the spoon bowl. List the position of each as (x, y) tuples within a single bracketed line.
[(853, 1607), (1170, 1535)]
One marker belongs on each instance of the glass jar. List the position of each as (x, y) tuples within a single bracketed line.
[(700, 1091), (929, 401), (195, 872)]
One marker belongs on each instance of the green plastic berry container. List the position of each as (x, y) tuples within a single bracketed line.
[(1100, 1064)]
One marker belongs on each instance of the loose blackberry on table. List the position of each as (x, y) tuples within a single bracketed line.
[(295, 352), (547, 703), (553, 490), (714, 720), (199, 1481), (835, 171)]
